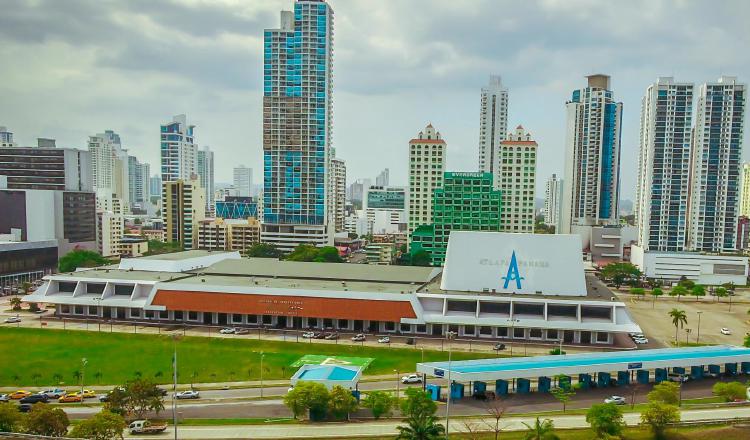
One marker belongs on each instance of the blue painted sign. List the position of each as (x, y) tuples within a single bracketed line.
[(635, 365), (439, 372), (513, 273)]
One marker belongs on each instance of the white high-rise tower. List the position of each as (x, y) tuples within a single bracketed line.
[(552, 199), (178, 150), (493, 125), (205, 168)]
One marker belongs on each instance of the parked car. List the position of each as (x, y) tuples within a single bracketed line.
[(54, 393), (226, 331), (146, 427), (189, 394), (617, 400), (70, 398), (308, 335), (19, 394), (241, 331), (412, 378), (319, 335), (725, 331), (499, 346), (162, 391), (13, 319), (640, 341), (4, 398), (359, 337), (678, 377), (25, 407), (86, 394), (332, 336), (35, 398), (384, 340)]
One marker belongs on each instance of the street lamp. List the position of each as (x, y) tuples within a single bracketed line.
[(422, 348), (513, 322), (84, 362), (698, 333), (262, 355), (449, 336), (174, 384), (398, 385)]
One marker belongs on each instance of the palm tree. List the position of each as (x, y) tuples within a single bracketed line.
[(35, 377), (541, 430), (421, 427), (98, 376), (679, 319), (15, 303), (57, 377)]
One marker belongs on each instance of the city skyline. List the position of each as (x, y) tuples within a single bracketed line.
[(538, 71)]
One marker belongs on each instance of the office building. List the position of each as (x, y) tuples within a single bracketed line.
[(337, 191), (356, 191), (745, 191), (664, 165), (183, 207), (380, 253), (743, 233), (385, 209), (233, 207), (155, 186), (552, 200), (228, 234), (6, 138), (298, 79), (493, 123), (178, 150), (591, 183), (205, 165), (465, 202), (708, 270), (139, 181), (426, 169), (103, 148), (515, 178), (243, 181), (110, 230), (383, 179), (715, 166), (59, 169)]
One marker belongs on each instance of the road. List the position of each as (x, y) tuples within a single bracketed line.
[(388, 428)]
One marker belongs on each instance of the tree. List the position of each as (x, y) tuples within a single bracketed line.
[(656, 292), (312, 397), (44, 419), (135, 398), (421, 423), (620, 273), (157, 247), (746, 343), (562, 393), (679, 320), (103, 426), (665, 392), (720, 292), (117, 401), (328, 254), (26, 287), (380, 403), (697, 291), (639, 291), (678, 291), (540, 430), (15, 303), (80, 258), (730, 391), (342, 403), (421, 258), (306, 252), (658, 415), (417, 402), (605, 419), (263, 250), (496, 411), (686, 283), (10, 418)]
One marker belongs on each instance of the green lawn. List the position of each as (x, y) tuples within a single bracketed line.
[(116, 357)]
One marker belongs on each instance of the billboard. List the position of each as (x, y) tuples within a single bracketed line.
[(386, 199), (543, 264)]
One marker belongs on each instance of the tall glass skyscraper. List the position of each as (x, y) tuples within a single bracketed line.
[(178, 150), (297, 111)]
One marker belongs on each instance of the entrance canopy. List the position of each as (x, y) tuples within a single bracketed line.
[(329, 375)]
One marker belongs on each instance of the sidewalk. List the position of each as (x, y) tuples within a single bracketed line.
[(388, 428)]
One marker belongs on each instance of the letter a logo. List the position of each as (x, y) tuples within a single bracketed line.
[(513, 273)]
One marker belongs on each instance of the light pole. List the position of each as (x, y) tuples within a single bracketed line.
[(698, 333), (174, 385), (513, 322), (84, 362), (262, 355), (449, 336), (422, 348), (398, 385)]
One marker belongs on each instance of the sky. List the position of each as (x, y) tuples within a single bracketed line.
[(73, 68)]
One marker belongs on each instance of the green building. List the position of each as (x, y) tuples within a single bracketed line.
[(466, 202)]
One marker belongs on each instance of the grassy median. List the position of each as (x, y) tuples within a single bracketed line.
[(51, 357)]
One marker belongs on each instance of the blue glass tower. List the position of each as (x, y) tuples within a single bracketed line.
[(297, 126)]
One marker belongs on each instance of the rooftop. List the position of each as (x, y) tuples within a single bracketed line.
[(106, 274), (180, 256)]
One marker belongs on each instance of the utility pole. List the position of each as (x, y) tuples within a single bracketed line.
[(450, 336), (84, 362), (174, 385), (262, 355), (698, 333)]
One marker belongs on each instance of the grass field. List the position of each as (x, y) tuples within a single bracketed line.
[(313, 359), (37, 356)]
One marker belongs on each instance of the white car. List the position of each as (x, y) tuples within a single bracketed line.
[(384, 340), (725, 331), (308, 335), (640, 340), (12, 320), (617, 400), (53, 393), (226, 331), (4, 398), (636, 335), (359, 337), (412, 378), (190, 394)]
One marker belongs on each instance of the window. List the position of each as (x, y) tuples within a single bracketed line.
[(164, 314), (192, 316), (390, 326), (93, 310), (343, 323), (236, 318), (535, 333), (485, 330), (602, 337), (95, 288), (267, 319), (135, 313), (405, 328), (469, 330), (519, 333), (502, 332), (312, 322), (66, 287), (64, 309), (421, 328), (78, 310), (149, 314), (552, 334)]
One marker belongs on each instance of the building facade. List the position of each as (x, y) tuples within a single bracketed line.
[(103, 148), (6, 138), (515, 178), (205, 165), (426, 172), (58, 169), (745, 191), (664, 165), (139, 181), (384, 178), (493, 123), (715, 166), (337, 192), (183, 207), (178, 150), (229, 234), (385, 209), (591, 183), (242, 177), (236, 207), (552, 201), (297, 120)]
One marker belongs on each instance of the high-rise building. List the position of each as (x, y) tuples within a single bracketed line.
[(385, 208), (62, 169), (110, 167), (178, 150), (183, 207), (297, 120), (110, 225), (6, 138), (337, 191), (155, 186), (138, 181), (426, 169), (230, 235), (745, 192), (243, 181), (515, 178), (356, 191), (715, 166), (466, 202), (591, 183), (383, 179), (493, 123), (664, 165), (552, 199), (234, 207), (205, 165)]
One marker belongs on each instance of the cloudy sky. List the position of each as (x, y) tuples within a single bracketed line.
[(72, 68)]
